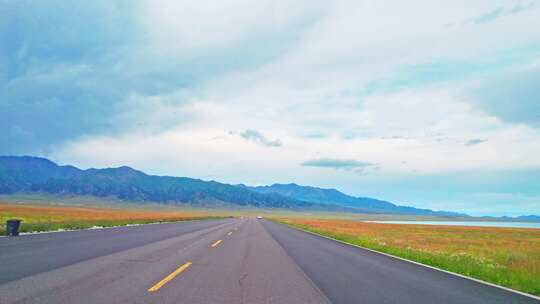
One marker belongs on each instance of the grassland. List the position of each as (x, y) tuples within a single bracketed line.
[(505, 256), (55, 217)]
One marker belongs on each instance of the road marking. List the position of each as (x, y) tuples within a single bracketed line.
[(169, 277), (216, 243), (229, 233), (419, 264)]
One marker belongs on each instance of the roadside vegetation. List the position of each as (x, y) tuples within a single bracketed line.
[(508, 257), (38, 218)]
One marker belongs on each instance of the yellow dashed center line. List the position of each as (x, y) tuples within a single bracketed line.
[(216, 243), (169, 277), (229, 233)]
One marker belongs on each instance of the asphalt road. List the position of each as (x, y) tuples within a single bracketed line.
[(220, 261)]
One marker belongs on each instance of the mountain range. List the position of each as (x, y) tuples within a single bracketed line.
[(333, 196), (26, 174)]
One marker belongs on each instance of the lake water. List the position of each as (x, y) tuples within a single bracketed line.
[(480, 224)]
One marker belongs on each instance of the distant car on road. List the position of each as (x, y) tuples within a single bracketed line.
[(259, 217)]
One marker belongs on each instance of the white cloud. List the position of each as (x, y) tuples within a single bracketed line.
[(258, 137), (428, 129), (320, 84), (183, 27)]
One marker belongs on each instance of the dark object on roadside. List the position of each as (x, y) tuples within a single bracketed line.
[(12, 227)]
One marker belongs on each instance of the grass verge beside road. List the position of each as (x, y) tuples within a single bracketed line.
[(508, 257), (39, 218)]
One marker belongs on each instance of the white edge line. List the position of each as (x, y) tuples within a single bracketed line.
[(420, 264)]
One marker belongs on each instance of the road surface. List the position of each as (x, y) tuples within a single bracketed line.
[(219, 261)]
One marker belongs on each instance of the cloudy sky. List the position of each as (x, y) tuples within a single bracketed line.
[(433, 104)]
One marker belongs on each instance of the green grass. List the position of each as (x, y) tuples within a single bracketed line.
[(462, 263), (75, 225), (48, 217)]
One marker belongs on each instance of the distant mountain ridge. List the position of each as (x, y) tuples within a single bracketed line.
[(33, 174), (522, 218), (335, 197), (27, 174)]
